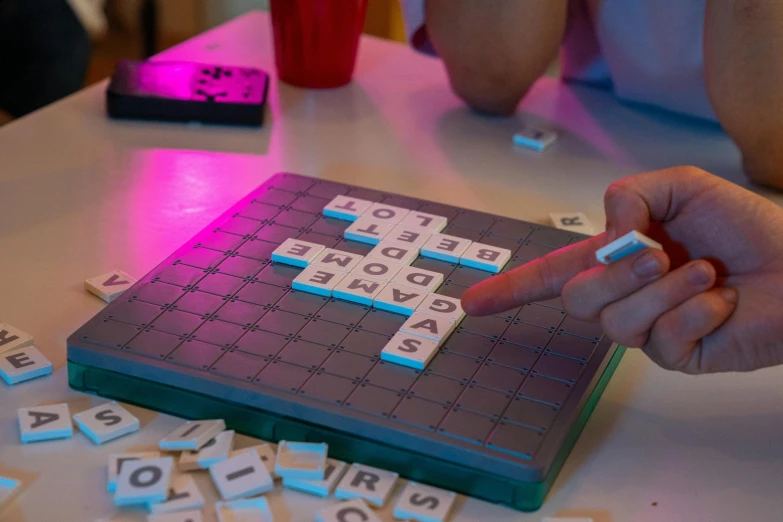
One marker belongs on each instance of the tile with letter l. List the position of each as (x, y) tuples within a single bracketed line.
[(371, 484)]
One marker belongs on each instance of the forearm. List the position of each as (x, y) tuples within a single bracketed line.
[(743, 52), (494, 50)]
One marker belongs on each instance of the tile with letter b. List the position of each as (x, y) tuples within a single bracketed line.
[(295, 252), (409, 350), (485, 257)]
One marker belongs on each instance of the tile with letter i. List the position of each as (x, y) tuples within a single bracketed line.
[(371, 484), (399, 299), (485, 257), (319, 280), (109, 286), (378, 269), (432, 327), (265, 452), (23, 364), (106, 422), (296, 252), (12, 338), (45, 423), (323, 487), (418, 278), (243, 475), (442, 306), (345, 511), (144, 481), (395, 252), (192, 435), (573, 222), (183, 494), (337, 260), (424, 503), (366, 230), (409, 350), (301, 460), (116, 460), (244, 510), (386, 213), (211, 453), (346, 208), (431, 222), (9, 488), (192, 515), (358, 290), (445, 247), (409, 235)]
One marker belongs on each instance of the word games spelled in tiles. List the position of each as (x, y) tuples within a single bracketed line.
[(346, 208), (116, 461), (245, 510), (409, 350), (318, 280), (23, 364), (265, 452), (418, 278), (399, 299), (368, 230), (442, 306), (337, 260), (445, 248), (243, 475), (535, 138), (45, 423), (485, 257), (144, 481), (12, 338), (371, 484), (295, 252), (431, 222), (183, 494), (572, 221), (192, 435), (424, 503), (109, 286), (193, 515), (432, 327), (211, 453), (377, 269), (625, 246), (354, 509), (106, 422), (9, 488), (394, 252), (323, 488), (358, 289), (301, 460)]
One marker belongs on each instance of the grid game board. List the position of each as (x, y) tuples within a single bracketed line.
[(216, 331)]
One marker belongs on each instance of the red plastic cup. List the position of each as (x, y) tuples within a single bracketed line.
[(316, 40)]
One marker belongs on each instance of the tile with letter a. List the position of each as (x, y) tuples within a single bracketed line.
[(318, 280), (346, 208), (399, 299), (144, 481), (244, 510), (442, 306), (192, 435), (45, 423), (485, 257), (572, 221), (23, 364), (243, 475), (192, 515), (424, 503), (409, 235), (324, 487), (386, 213), (377, 269), (106, 422), (421, 219), (430, 326), (213, 452), (395, 252), (296, 252), (116, 461), (183, 494), (371, 484), (301, 460), (13, 338), (445, 247), (337, 260), (409, 350), (366, 230), (418, 278), (358, 290), (345, 511), (266, 452), (109, 286)]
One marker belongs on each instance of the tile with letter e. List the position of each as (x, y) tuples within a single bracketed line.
[(241, 476), (244, 510), (116, 461), (409, 350), (318, 280), (214, 451), (109, 286), (295, 252), (344, 511), (45, 423), (191, 515), (445, 247), (322, 487), (106, 422), (183, 494), (377, 269), (467, 426), (373, 400), (12, 338), (429, 326), (192, 435), (442, 306), (485, 257), (424, 503), (23, 364), (424, 220), (418, 278), (301, 460), (399, 299), (420, 412), (346, 208), (337, 260), (371, 484), (386, 213), (144, 481), (515, 439), (357, 289), (409, 235), (369, 231)]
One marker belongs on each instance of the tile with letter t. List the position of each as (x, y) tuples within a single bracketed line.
[(418, 278), (12, 338), (106, 422), (371, 484), (366, 230), (183, 494), (344, 511), (191, 515), (337, 260), (346, 208), (144, 481), (442, 306), (211, 453), (424, 220), (301, 460), (409, 350), (192, 435), (243, 475), (109, 286), (424, 503), (116, 461), (296, 252), (445, 247), (323, 487), (318, 280), (23, 364), (485, 257), (45, 423), (399, 299), (244, 510), (358, 290), (395, 252), (430, 326)]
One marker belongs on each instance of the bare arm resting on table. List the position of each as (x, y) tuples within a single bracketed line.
[(494, 50)]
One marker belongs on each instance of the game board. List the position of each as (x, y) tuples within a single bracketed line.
[(215, 331)]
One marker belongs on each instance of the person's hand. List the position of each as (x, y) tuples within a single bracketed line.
[(711, 302)]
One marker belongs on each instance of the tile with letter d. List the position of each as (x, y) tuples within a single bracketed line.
[(399, 299), (395, 252), (432, 327), (296, 252), (183, 494), (45, 423), (106, 422), (319, 280), (485, 257), (324, 487), (421, 219), (371, 484), (337, 260), (192, 435), (144, 481), (366, 230), (409, 350), (243, 475), (13, 338), (344, 511), (23, 364), (418, 278), (445, 247), (346, 208), (442, 306), (358, 290), (424, 503)]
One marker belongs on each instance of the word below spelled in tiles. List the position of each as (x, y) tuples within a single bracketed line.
[(354, 509), (23, 364), (183, 494), (45, 423), (243, 475), (245, 510), (424, 503), (116, 461), (106, 422), (323, 488), (371, 484), (295, 252), (192, 435), (144, 481), (399, 299), (109, 286), (211, 453), (12, 338), (625, 246), (301, 460), (573, 222)]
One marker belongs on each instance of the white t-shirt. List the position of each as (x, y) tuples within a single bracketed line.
[(646, 51)]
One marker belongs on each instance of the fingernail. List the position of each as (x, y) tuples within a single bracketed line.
[(699, 274), (647, 265), (729, 295)]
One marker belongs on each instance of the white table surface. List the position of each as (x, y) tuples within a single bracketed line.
[(80, 195)]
